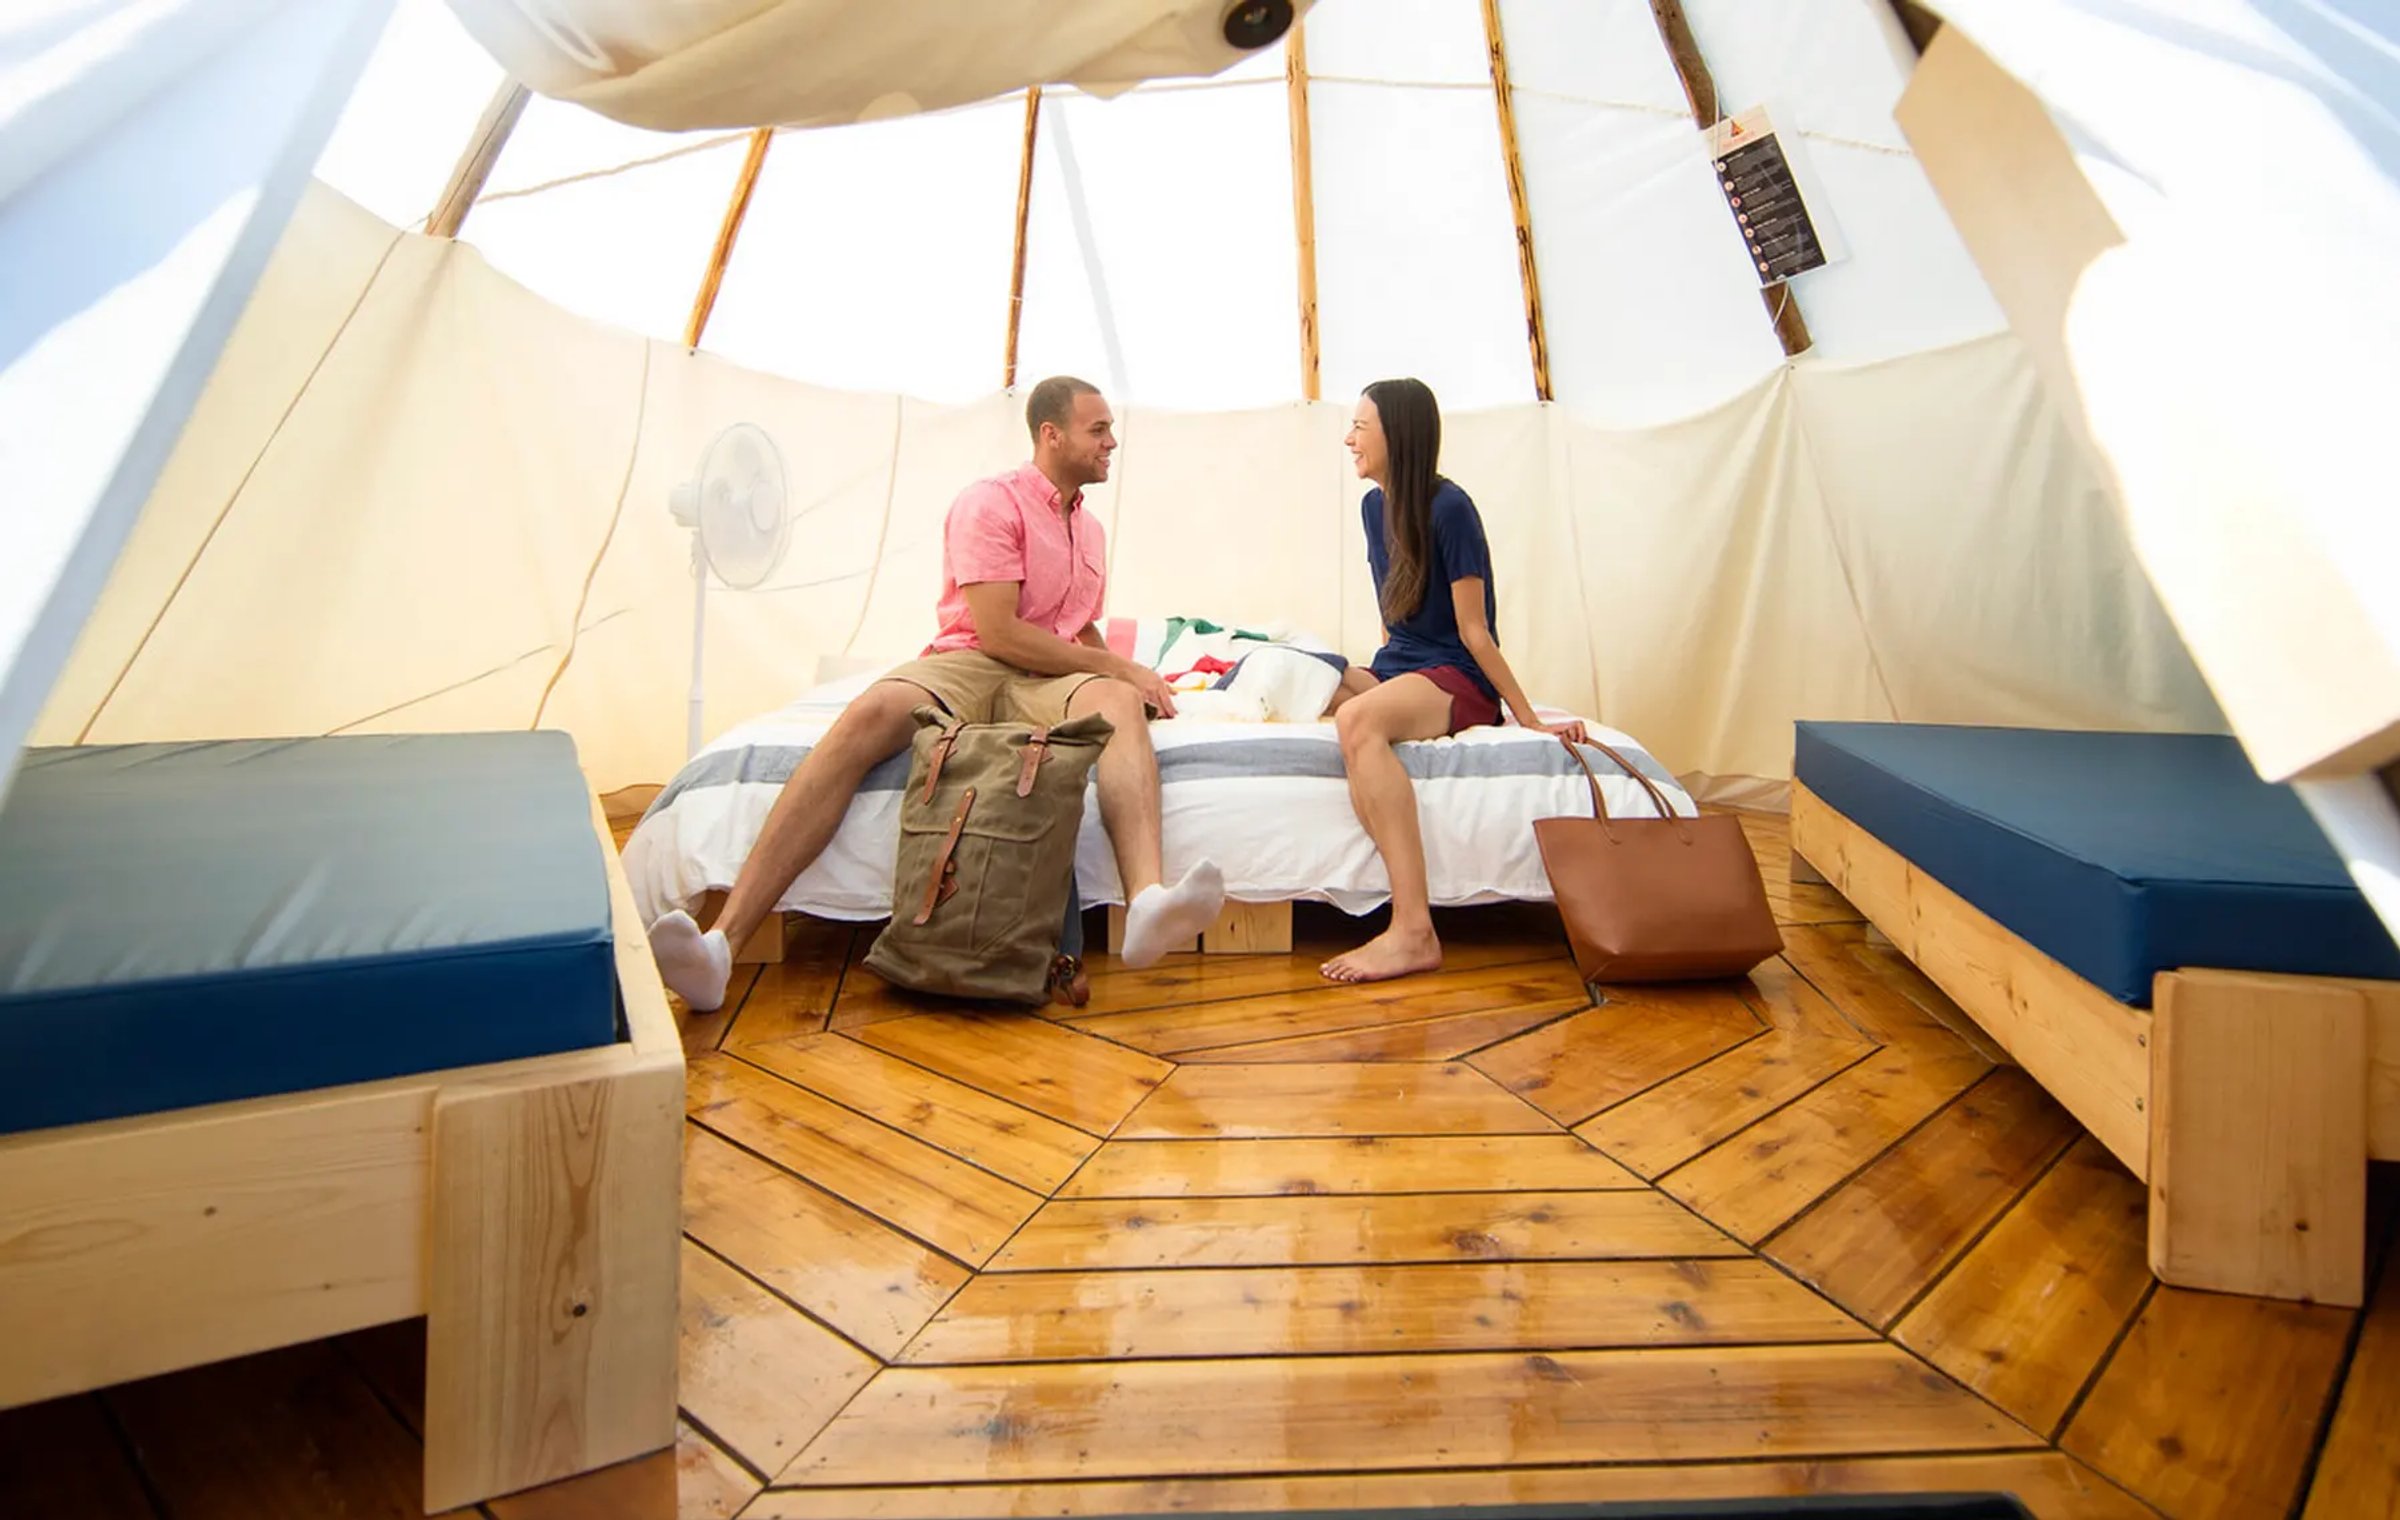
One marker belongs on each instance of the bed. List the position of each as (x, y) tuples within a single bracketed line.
[(2161, 939), (302, 1036), (1267, 801)]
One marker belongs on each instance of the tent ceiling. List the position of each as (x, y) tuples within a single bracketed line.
[(1161, 257)]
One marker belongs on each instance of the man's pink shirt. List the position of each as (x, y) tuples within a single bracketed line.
[(1008, 528)]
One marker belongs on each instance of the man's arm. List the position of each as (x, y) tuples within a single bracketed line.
[(1011, 640)]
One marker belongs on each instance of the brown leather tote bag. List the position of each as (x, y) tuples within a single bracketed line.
[(1665, 899)]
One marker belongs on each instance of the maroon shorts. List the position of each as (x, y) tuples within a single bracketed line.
[(1469, 707)]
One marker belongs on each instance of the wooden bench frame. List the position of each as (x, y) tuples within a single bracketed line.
[(2249, 1102), (530, 1209)]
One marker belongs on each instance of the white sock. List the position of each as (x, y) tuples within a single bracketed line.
[(1161, 916), (694, 966)]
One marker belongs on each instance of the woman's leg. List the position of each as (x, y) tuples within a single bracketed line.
[(1406, 707)]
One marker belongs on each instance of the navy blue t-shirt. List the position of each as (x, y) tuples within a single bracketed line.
[(1430, 637)]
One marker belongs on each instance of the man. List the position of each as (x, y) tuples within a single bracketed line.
[(1023, 572)]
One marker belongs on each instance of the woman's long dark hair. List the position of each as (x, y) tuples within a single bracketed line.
[(1412, 442)]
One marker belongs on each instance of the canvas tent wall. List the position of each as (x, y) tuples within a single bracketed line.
[(426, 488)]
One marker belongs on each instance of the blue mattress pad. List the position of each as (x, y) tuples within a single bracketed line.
[(192, 923), (2120, 855)]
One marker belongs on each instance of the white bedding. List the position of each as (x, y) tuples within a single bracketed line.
[(1266, 801)]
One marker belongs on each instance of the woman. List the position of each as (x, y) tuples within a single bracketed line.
[(1440, 668)]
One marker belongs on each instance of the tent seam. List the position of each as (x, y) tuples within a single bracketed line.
[(1841, 550), (641, 409), (891, 489), (584, 176), (233, 498)]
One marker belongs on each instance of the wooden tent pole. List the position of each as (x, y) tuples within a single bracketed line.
[(1304, 206), (731, 228), (1016, 267), (475, 163), (1699, 88), (1526, 272)]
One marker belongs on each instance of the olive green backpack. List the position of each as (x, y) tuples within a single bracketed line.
[(985, 873)]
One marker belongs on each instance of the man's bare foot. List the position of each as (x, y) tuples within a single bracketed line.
[(1389, 954)]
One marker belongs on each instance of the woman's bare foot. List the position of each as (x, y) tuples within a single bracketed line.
[(1392, 953)]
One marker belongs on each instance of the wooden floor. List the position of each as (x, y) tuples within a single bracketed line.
[(1232, 1238)]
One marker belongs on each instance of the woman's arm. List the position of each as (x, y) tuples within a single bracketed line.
[(1466, 597)]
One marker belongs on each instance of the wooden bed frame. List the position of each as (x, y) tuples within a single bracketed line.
[(1242, 929), (2249, 1102), (529, 1209)]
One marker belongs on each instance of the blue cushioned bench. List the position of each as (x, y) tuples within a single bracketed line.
[(2151, 931), (302, 1036), (191, 923)]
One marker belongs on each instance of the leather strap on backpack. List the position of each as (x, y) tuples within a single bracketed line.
[(1037, 749), (942, 883), (941, 754)]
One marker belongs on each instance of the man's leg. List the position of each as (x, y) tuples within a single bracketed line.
[(1409, 707), (876, 726), (1156, 914)]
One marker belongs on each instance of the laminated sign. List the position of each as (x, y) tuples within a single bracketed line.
[(1763, 190)]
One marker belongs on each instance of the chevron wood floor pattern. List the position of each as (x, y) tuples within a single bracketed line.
[(1232, 1238)]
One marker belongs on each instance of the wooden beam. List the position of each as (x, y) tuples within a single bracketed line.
[(1534, 336), (1700, 89), (1016, 267), (735, 209), (475, 164), (1304, 206)]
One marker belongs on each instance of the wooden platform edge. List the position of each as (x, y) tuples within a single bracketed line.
[(154, 1243), (2086, 1049), (1242, 928)]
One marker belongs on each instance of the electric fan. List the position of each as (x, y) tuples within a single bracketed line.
[(736, 509)]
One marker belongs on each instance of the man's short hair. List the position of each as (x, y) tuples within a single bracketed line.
[(1053, 401)]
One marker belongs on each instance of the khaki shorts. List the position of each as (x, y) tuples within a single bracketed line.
[(975, 688)]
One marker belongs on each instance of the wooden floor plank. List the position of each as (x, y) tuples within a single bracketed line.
[(294, 1432), (1189, 981), (1576, 1067), (1879, 990), (760, 1374), (2211, 1404), (1233, 1102), (1875, 1243), (1331, 1414), (1659, 1130), (1436, 1039), (2358, 1473), (705, 1031), (1029, 1149), (1785, 1000), (793, 996), (1176, 1031), (934, 1196), (59, 1460), (1363, 1164), (692, 1480), (849, 1269), (1749, 1185), (2027, 1314), (868, 1000), (2052, 1486), (1030, 1062), (1249, 1232), (1271, 1311)]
